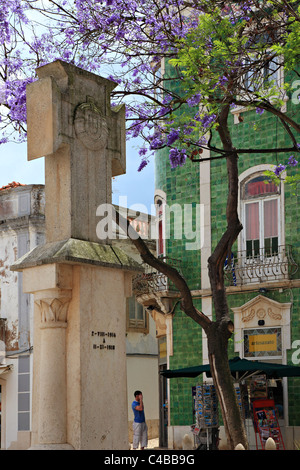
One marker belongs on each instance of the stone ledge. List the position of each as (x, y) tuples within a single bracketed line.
[(76, 251)]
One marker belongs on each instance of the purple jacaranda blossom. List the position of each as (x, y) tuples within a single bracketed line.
[(207, 120), (260, 110), (222, 80), (142, 165), (137, 81), (156, 141), (194, 100), (167, 99), (292, 161), (173, 136), (279, 169), (164, 111), (142, 151), (112, 36), (177, 157)]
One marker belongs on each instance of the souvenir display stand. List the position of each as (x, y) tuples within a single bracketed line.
[(206, 429), (261, 408), (265, 419), (206, 416), (266, 423), (239, 399)]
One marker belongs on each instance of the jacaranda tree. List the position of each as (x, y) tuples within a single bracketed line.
[(218, 54)]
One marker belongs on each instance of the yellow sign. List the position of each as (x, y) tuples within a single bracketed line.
[(262, 343), (163, 349)]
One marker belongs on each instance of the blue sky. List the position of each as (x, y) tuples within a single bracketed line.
[(135, 187)]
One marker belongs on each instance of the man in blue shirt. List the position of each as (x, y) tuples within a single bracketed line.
[(140, 430)]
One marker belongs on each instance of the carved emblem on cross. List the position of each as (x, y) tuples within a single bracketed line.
[(90, 125)]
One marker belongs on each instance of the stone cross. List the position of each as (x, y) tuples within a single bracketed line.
[(72, 124)]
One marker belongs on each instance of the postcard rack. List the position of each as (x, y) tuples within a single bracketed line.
[(206, 406), (266, 423)]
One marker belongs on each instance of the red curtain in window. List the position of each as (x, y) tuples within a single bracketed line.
[(255, 188), (160, 238), (252, 221), (271, 218)]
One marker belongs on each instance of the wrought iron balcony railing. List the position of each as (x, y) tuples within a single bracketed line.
[(152, 281), (260, 266), (244, 268)]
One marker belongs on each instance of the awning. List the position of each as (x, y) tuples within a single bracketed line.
[(241, 366)]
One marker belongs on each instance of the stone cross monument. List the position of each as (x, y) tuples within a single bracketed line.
[(80, 283), (71, 120)]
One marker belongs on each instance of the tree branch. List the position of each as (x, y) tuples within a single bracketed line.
[(172, 273)]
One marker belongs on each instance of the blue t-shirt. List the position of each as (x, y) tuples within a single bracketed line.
[(139, 416)]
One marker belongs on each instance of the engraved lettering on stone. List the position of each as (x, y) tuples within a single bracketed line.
[(90, 125)]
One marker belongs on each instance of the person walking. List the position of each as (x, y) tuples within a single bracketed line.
[(140, 430)]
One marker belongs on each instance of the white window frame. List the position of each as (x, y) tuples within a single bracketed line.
[(255, 269), (247, 175), (280, 80), (260, 200)]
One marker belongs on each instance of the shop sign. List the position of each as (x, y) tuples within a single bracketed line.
[(264, 342)]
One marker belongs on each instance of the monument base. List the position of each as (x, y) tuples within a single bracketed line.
[(80, 381), (52, 447)]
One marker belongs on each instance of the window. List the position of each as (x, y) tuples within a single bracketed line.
[(160, 203), (260, 204), (266, 78), (136, 316), (270, 74), (160, 244), (24, 393)]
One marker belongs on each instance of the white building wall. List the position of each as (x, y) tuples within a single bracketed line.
[(143, 374), (21, 228)]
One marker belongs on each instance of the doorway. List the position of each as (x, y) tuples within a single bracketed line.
[(163, 392), (0, 415), (163, 408)]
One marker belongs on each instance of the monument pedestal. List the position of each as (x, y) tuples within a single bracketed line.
[(51, 447), (80, 380), (79, 283)]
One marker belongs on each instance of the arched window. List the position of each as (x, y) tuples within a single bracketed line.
[(260, 204), (160, 203)]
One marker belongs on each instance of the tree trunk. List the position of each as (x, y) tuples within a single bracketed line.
[(219, 331), (223, 381)]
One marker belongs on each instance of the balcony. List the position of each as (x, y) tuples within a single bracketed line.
[(152, 288), (261, 266), (148, 283), (151, 280)]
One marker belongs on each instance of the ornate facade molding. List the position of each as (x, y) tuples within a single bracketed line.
[(54, 309), (261, 313)]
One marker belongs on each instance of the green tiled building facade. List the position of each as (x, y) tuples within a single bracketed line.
[(205, 185)]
